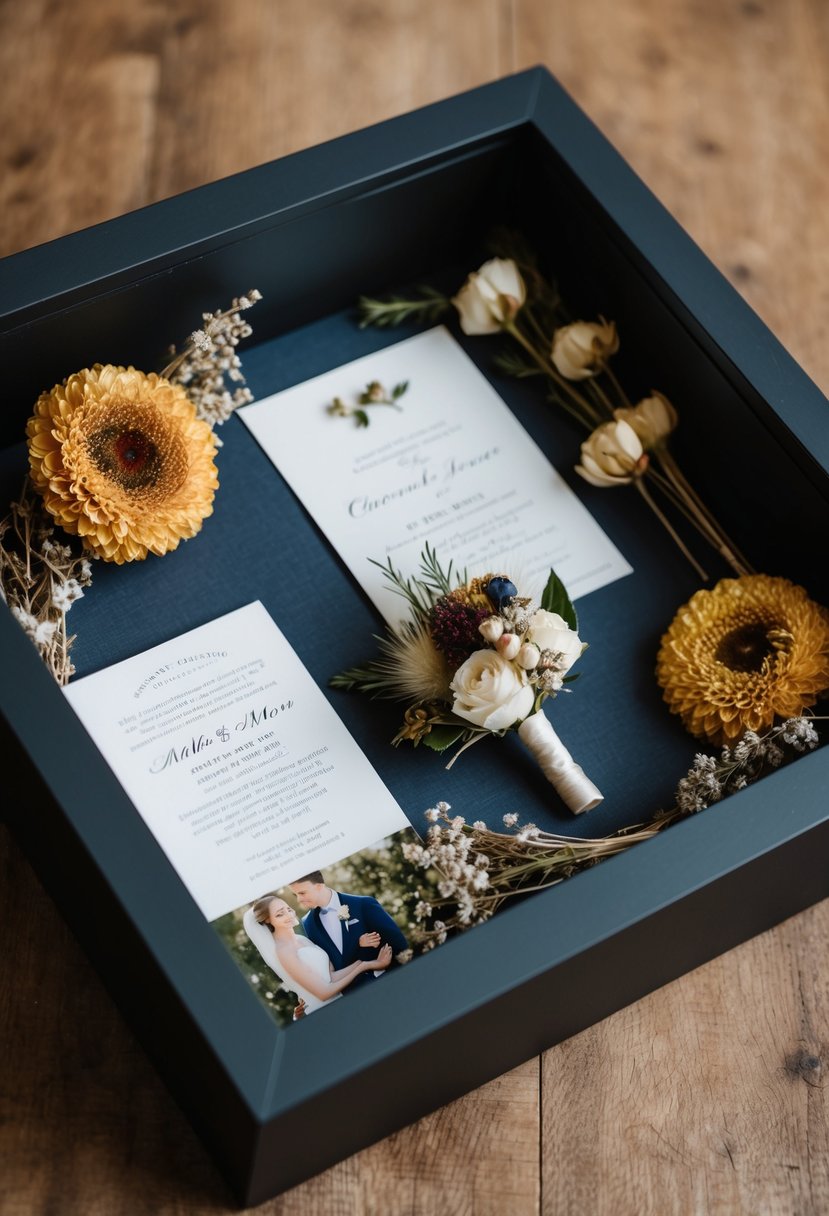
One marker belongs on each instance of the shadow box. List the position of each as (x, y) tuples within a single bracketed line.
[(408, 202)]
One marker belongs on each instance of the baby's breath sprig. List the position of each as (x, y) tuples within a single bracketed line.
[(208, 356), (40, 579), (480, 869)]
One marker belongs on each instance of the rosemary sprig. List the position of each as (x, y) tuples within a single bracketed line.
[(514, 363), (427, 307), (421, 591)]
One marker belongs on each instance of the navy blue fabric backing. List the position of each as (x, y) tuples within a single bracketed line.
[(261, 544)]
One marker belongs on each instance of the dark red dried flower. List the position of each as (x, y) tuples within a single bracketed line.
[(454, 629)]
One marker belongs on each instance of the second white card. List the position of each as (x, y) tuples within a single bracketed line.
[(451, 466)]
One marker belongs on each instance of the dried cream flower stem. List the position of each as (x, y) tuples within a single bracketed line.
[(707, 523), (584, 412), (673, 484), (620, 392), (596, 388), (682, 503), (669, 528)]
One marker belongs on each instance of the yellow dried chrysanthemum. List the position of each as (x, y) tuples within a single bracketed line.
[(736, 657), (121, 460), (473, 593)]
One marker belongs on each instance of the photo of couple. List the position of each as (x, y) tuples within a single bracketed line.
[(330, 932), (349, 940)]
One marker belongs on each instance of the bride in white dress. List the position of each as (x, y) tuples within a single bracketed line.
[(303, 967)]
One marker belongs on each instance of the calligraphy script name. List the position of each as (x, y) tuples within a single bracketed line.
[(451, 468), (199, 743)]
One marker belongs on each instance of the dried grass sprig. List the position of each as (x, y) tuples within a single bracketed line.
[(480, 869), (209, 356), (40, 579)]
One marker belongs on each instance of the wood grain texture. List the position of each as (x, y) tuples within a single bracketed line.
[(722, 107), (707, 1096), (710, 1096)]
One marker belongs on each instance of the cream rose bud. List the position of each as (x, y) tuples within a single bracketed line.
[(612, 456), (490, 297), (549, 631), (508, 645), (491, 629), (653, 419), (580, 349), (528, 656), (490, 692)]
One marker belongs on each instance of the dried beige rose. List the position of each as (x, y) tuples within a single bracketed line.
[(580, 349), (653, 419), (612, 456), (490, 297)]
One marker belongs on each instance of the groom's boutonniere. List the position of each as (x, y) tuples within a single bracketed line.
[(476, 659), (343, 913)]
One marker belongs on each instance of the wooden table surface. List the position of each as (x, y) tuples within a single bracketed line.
[(709, 1096)]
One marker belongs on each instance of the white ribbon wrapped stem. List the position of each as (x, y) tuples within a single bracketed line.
[(568, 779)]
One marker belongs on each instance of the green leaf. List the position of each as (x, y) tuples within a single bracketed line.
[(556, 599), (571, 679), (399, 389), (440, 738), (361, 417), (428, 307), (513, 363)]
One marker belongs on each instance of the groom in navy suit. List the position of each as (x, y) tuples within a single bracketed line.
[(347, 927)]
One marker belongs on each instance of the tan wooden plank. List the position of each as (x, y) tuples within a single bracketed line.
[(79, 91), (723, 109), (110, 106), (475, 1157), (709, 1096)]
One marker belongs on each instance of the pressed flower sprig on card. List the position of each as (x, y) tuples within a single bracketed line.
[(124, 461), (628, 443), (480, 869), (477, 659), (373, 394)]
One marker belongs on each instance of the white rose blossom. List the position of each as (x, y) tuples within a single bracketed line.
[(580, 349), (612, 456), (653, 419), (549, 631), (490, 297), (490, 692)]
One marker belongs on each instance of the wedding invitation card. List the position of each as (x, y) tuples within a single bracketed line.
[(234, 758), (274, 820), (449, 464)]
